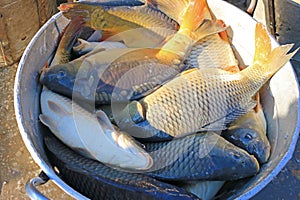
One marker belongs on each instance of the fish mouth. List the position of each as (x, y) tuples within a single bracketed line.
[(261, 151)]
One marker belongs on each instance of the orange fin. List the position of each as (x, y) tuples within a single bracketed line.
[(258, 106), (193, 15), (242, 67), (46, 64), (269, 61), (223, 35), (233, 69)]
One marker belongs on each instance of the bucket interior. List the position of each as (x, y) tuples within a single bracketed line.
[(279, 100)]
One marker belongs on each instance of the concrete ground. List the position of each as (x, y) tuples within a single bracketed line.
[(17, 166)]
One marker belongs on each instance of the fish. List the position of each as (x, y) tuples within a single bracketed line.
[(124, 22), (200, 157), (249, 133), (61, 78), (98, 181), (210, 98), (205, 190), (68, 39), (84, 47), (214, 50), (128, 74), (91, 135)]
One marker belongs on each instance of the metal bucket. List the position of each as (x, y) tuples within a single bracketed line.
[(280, 102)]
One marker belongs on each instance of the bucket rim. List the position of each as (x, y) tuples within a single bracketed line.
[(68, 189)]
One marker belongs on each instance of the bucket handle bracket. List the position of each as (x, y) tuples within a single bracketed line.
[(31, 187)]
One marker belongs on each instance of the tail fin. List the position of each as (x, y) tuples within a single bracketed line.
[(176, 9), (207, 28), (172, 8), (193, 15), (67, 40), (269, 61)]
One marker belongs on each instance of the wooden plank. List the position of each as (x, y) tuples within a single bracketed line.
[(19, 21)]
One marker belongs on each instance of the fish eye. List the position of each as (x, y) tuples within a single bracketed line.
[(248, 136), (61, 74)]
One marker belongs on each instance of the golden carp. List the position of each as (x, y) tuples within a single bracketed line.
[(210, 98), (212, 51), (122, 23)]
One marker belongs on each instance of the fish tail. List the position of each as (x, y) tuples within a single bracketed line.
[(67, 40), (208, 27), (193, 15), (269, 61), (188, 13), (172, 8)]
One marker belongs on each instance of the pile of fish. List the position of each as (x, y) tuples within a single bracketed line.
[(153, 101)]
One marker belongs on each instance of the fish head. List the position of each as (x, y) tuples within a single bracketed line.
[(242, 164), (59, 78), (133, 152), (251, 140)]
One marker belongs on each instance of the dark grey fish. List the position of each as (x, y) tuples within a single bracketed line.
[(97, 181), (114, 75), (249, 133), (203, 156)]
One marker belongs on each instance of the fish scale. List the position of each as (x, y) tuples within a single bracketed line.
[(146, 17), (212, 51), (203, 99), (200, 157), (98, 181)]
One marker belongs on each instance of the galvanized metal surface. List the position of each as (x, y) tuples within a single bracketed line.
[(26, 91)]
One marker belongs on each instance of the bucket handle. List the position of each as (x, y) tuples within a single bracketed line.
[(31, 187)]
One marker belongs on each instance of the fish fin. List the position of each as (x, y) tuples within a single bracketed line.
[(257, 99), (242, 67), (188, 71), (269, 61), (58, 109), (223, 34), (47, 121), (221, 124), (67, 41), (71, 10), (233, 69), (208, 27), (143, 89), (46, 64), (193, 15), (135, 38), (104, 121), (172, 8)]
